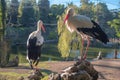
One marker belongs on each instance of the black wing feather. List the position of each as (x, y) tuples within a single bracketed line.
[(33, 51), (95, 32), (32, 41)]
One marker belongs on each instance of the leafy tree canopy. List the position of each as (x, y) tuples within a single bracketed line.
[(115, 23)]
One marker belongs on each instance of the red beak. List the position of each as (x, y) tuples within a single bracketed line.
[(67, 16), (43, 28)]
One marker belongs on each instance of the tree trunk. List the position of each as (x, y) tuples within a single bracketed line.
[(3, 9), (4, 57)]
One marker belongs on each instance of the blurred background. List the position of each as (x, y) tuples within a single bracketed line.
[(18, 19)]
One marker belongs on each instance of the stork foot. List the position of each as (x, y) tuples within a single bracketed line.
[(78, 62), (81, 60)]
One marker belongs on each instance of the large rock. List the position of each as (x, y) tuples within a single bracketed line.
[(83, 70), (80, 75), (54, 77), (88, 67)]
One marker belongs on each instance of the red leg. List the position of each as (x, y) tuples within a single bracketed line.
[(88, 43), (82, 50), (82, 46)]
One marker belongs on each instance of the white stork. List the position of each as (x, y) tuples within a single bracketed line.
[(34, 44), (85, 27)]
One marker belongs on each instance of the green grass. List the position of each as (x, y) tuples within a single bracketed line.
[(11, 75), (6, 75), (14, 76)]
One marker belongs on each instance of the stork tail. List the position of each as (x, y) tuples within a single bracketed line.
[(102, 35)]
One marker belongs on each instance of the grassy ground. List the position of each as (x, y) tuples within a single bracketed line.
[(108, 68), (13, 73), (49, 52), (10, 75)]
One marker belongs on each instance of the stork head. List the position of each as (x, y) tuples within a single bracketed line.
[(40, 26), (70, 12)]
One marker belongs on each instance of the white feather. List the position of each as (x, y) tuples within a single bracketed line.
[(69, 28), (40, 39)]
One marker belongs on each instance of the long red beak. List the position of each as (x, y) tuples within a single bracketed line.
[(67, 16), (43, 28)]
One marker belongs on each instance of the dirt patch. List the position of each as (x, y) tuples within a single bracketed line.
[(109, 69)]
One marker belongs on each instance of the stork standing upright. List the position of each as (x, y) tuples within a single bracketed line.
[(85, 27), (34, 44)]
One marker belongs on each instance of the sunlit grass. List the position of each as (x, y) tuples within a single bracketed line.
[(45, 78), (11, 75), (14, 75)]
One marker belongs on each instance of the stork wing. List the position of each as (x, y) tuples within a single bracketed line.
[(31, 41), (80, 21)]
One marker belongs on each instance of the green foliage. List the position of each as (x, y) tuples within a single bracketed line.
[(52, 35), (64, 38), (44, 8), (115, 23), (18, 34), (102, 12), (86, 8), (64, 43), (13, 12), (20, 8), (3, 18), (57, 10), (0, 16), (27, 19)]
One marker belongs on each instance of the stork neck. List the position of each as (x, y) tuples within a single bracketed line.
[(38, 31), (38, 28)]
